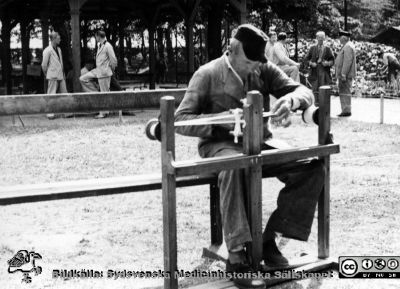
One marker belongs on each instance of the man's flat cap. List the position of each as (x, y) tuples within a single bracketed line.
[(253, 41), (344, 33)]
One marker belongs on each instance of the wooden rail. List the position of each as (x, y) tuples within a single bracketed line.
[(84, 102), (90, 188), (275, 157)]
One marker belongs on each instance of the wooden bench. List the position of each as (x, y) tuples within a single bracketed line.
[(19, 194)]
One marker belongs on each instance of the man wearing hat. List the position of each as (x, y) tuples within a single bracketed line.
[(215, 89), (345, 66)]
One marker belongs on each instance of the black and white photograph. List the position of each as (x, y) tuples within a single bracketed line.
[(202, 144)]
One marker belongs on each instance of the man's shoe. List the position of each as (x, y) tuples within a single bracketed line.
[(344, 114), (241, 268), (272, 256), (51, 116)]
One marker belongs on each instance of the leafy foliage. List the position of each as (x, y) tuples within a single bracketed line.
[(294, 9)]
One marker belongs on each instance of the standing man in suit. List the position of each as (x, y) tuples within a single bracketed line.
[(345, 66), (53, 69), (106, 63), (321, 59)]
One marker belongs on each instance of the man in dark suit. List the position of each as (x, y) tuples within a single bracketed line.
[(321, 59)]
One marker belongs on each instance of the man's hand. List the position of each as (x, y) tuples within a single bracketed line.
[(325, 63), (282, 109), (313, 64), (343, 77)]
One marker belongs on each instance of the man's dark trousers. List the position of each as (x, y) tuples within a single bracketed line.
[(295, 206)]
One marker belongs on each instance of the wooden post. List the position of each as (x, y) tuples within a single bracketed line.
[(169, 190), (75, 6), (253, 137), (323, 202), (215, 215)]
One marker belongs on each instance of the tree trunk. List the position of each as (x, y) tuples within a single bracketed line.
[(121, 46), (6, 61), (296, 40), (265, 22), (176, 55), (2, 61), (152, 60), (129, 49), (85, 29), (25, 35), (143, 48), (170, 50), (214, 29), (160, 41), (200, 55), (189, 48)]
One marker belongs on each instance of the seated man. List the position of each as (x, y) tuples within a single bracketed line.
[(214, 89), (283, 60)]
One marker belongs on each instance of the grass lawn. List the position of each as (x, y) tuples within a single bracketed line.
[(125, 231)]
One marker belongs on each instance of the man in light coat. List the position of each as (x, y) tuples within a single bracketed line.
[(53, 69), (52, 66), (105, 65), (345, 66)]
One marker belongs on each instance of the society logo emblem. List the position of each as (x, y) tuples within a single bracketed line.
[(380, 264), (367, 264), (24, 261), (349, 267), (392, 264)]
